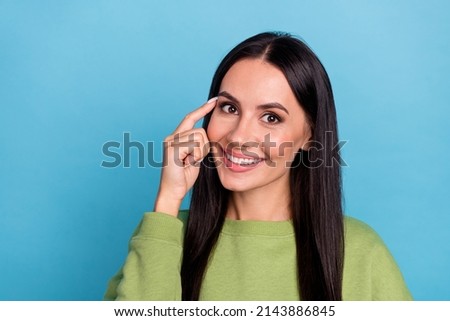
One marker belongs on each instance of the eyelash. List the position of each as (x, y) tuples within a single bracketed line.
[(226, 104), (278, 119), (223, 105)]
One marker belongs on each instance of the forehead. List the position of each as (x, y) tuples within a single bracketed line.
[(256, 79)]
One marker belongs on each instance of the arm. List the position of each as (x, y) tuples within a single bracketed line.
[(152, 267), (370, 271), (387, 280)]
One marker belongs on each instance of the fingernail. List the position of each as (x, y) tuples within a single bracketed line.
[(212, 99)]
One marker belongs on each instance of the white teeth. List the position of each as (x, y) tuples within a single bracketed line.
[(242, 161)]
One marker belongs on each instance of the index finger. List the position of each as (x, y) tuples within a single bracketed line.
[(194, 116)]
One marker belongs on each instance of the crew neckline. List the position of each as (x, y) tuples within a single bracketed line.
[(262, 228)]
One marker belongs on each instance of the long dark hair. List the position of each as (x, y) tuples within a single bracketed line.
[(315, 177)]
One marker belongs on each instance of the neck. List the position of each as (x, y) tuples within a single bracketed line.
[(264, 204)]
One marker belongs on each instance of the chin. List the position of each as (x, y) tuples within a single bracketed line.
[(234, 185), (236, 189), (242, 185)]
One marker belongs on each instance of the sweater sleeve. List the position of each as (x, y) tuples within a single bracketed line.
[(370, 271), (152, 268), (388, 283)]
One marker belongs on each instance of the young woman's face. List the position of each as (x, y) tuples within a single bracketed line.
[(256, 127)]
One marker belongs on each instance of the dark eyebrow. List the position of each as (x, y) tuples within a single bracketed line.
[(263, 106), (229, 96), (273, 105)]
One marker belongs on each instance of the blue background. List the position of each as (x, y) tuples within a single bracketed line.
[(77, 74)]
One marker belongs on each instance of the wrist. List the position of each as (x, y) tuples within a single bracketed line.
[(167, 205)]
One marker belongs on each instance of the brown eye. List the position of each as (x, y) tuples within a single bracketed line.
[(230, 109), (271, 118)]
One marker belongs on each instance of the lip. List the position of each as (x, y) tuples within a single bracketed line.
[(238, 168)]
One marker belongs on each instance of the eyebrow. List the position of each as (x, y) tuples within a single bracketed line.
[(263, 106)]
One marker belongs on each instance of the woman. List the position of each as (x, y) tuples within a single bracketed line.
[(265, 220)]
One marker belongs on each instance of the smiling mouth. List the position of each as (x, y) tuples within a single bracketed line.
[(242, 161)]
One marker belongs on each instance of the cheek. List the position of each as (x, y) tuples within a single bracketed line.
[(214, 130), (284, 146)]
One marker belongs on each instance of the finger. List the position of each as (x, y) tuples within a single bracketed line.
[(194, 158), (194, 143), (193, 137), (194, 116), (186, 156)]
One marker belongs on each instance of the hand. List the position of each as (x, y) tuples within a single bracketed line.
[(183, 152)]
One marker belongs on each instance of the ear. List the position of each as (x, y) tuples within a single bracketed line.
[(307, 141)]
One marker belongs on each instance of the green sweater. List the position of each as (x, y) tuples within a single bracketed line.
[(253, 260)]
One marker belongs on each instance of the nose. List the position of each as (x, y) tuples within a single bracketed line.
[(244, 133)]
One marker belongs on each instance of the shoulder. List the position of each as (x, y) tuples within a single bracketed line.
[(356, 231), (361, 240), (368, 261)]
